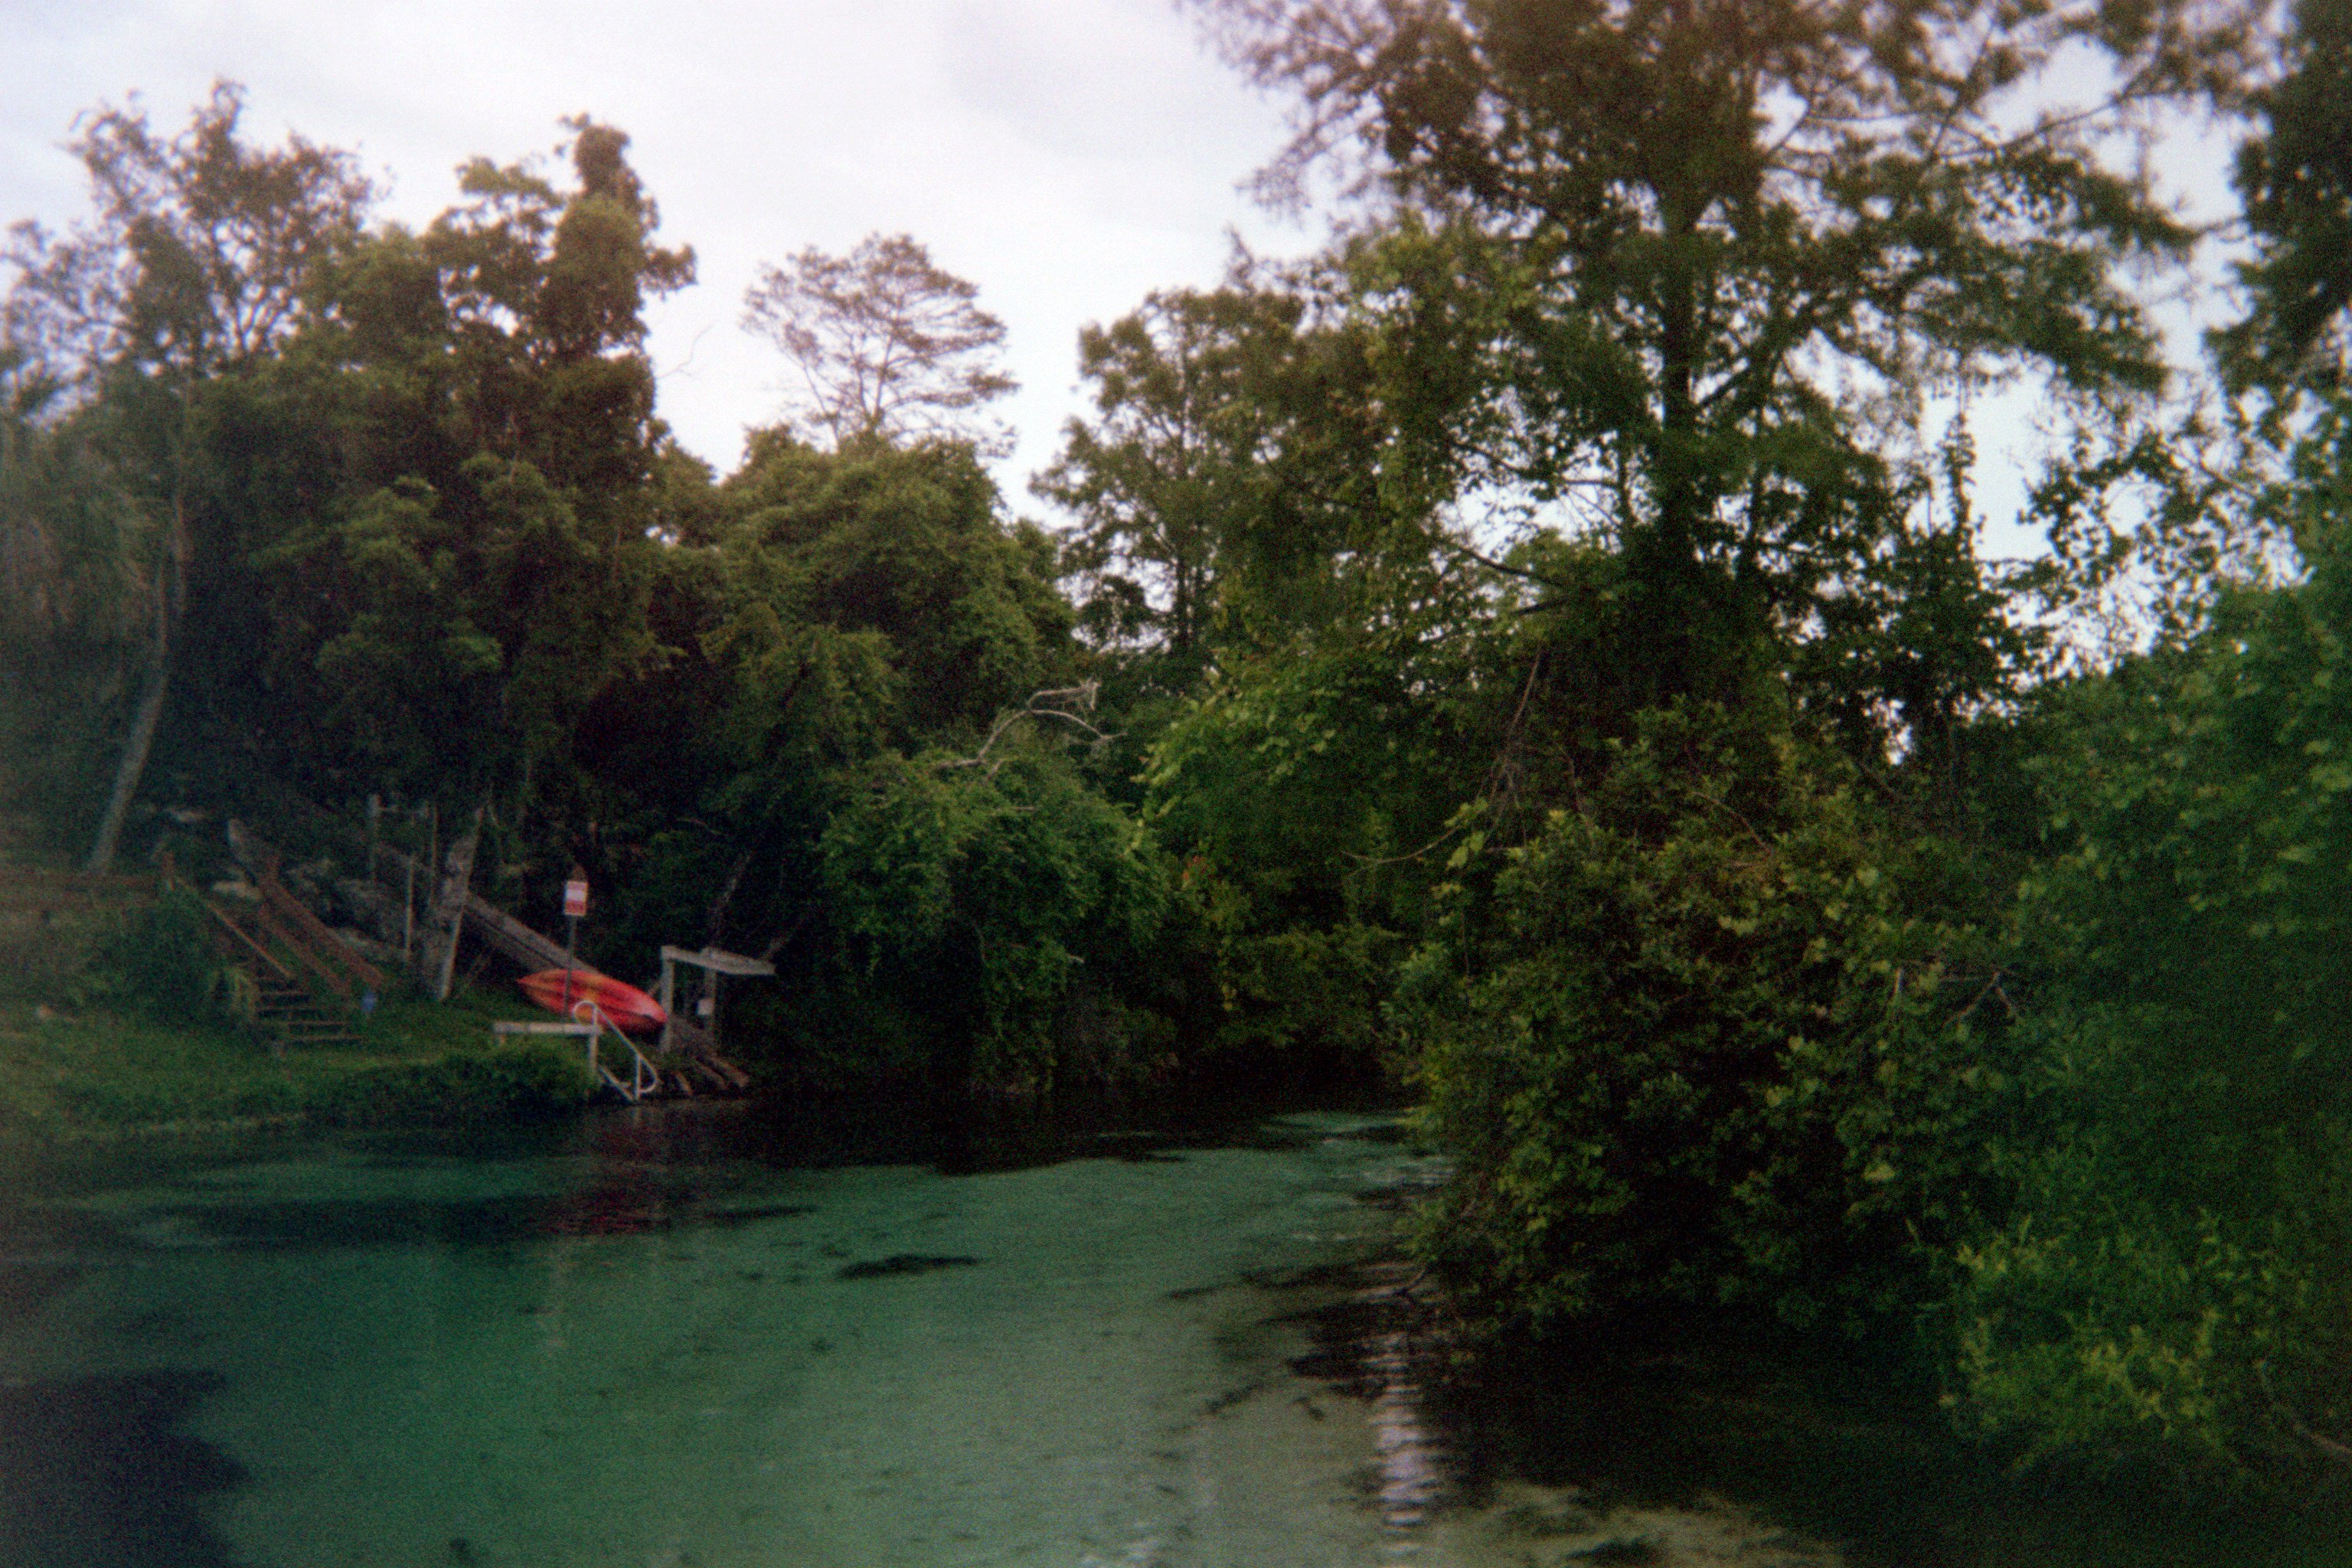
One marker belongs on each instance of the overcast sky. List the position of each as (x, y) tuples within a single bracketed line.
[(1067, 156)]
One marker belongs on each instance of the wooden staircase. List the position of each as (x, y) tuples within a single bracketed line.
[(295, 963), (290, 1015)]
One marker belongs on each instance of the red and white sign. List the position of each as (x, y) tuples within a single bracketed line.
[(576, 896)]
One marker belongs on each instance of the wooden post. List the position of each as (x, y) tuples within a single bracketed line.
[(449, 905), (668, 999)]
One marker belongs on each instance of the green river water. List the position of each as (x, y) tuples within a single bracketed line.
[(673, 1337)]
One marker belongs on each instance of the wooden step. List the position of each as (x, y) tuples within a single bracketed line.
[(287, 1013)]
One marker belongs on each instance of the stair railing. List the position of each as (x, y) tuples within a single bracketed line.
[(644, 1078)]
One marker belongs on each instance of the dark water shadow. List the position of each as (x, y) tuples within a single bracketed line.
[(692, 1165), (903, 1263), (95, 1473), (965, 1138), (707, 1164), (26, 1288), (1680, 1413), (482, 1222), (322, 1223)]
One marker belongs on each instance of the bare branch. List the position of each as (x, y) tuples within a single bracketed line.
[(1080, 696)]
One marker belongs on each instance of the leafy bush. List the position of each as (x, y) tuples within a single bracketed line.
[(506, 1083), (2177, 1283), (978, 892), (45, 960), (1293, 789), (1712, 1041), (162, 961), (2116, 1331)]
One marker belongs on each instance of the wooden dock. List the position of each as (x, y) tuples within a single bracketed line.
[(688, 1053)]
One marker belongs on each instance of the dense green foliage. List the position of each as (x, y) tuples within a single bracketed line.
[(2173, 1276), (1712, 1038), (1538, 647)]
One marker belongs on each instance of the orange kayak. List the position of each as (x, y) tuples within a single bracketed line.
[(628, 1008)]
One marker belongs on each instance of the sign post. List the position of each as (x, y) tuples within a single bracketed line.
[(575, 904)]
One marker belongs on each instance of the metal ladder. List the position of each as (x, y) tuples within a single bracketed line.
[(643, 1078)]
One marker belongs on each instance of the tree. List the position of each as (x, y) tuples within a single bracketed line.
[(476, 411), (1707, 1039), (1203, 466), (906, 548), (2296, 178), (887, 343), (1670, 271), (195, 263), (199, 251), (76, 612), (2171, 1281)]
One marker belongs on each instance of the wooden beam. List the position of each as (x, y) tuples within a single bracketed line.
[(720, 961), (245, 940), (334, 979), (692, 1039), (510, 936)]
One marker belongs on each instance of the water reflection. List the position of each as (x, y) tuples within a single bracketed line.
[(1411, 1460), (1684, 1445)]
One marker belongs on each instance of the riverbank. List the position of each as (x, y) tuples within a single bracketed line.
[(88, 1075)]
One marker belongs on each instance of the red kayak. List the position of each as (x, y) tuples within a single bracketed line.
[(628, 1008)]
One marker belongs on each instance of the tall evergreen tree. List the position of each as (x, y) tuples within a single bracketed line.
[(2296, 178)]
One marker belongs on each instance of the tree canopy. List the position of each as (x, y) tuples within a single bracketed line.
[(1673, 270)]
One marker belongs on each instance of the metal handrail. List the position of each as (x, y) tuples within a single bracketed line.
[(645, 1077)]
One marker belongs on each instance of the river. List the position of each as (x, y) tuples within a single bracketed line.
[(681, 1336)]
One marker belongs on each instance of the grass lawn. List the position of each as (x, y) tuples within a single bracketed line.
[(69, 1072)]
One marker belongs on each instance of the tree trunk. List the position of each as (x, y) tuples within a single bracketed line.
[(170, 609), (714, 924), (447, 917)]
